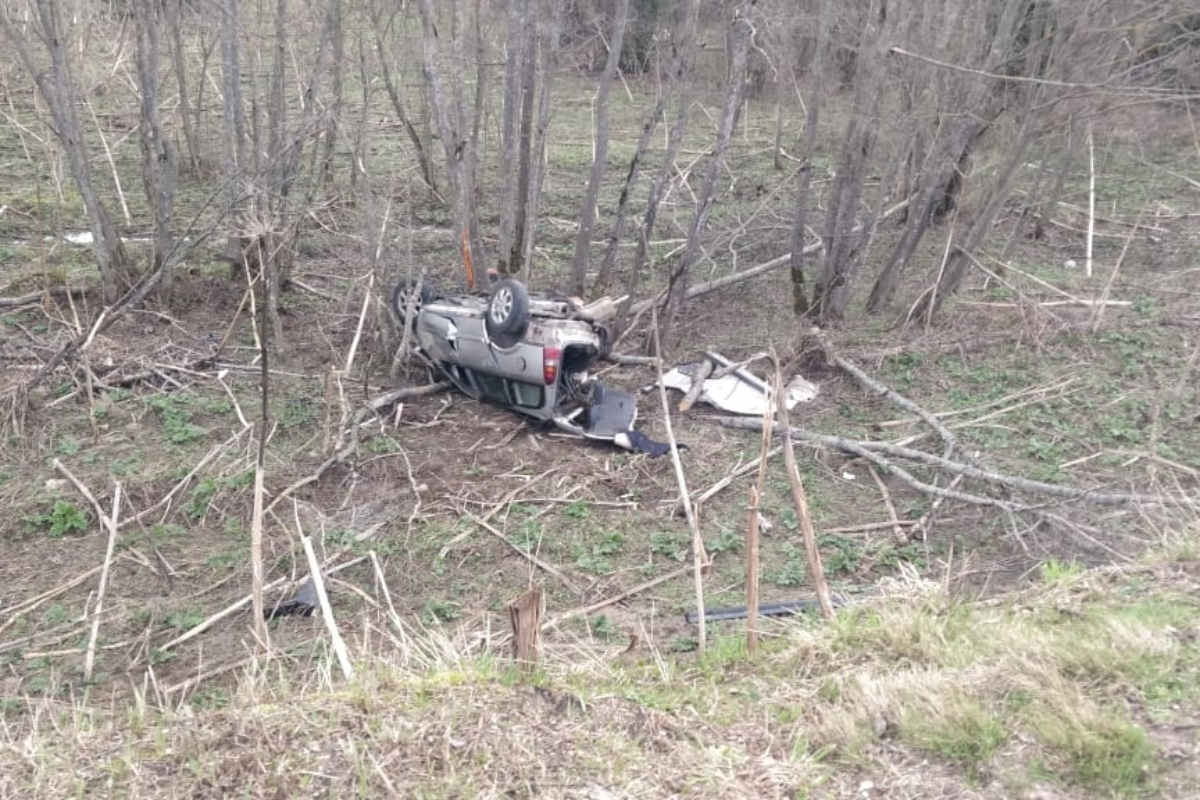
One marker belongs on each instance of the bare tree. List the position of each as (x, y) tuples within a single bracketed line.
[(804, 179), (424, 161), (547, 66), (160, 167), (515, 53), (233, 165), (959, 132), (677, 72), (842, 238), (179, 65), (740, 32), (58, 90), (449, 111), (683, 97), (587, 215), (518, 137)]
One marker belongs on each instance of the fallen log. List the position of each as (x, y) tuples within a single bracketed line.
[(878, 453)]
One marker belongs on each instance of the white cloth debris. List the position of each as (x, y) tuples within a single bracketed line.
[(736, 394)]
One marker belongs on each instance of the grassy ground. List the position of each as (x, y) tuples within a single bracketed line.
[(1081, 685)]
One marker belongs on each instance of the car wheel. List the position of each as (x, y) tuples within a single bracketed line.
[(411, 290), (508, 309)]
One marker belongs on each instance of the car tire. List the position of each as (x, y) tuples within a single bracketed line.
[(507, 310), (404, 291)]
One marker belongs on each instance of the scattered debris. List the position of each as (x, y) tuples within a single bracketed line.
[(732, 387), (302, 604)]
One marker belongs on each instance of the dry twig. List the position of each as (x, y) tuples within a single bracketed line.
[(110, 523), (700, 559)]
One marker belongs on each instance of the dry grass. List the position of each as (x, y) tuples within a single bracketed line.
[(1073, 687)]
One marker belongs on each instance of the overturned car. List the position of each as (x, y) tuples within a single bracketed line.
[(528, 352)]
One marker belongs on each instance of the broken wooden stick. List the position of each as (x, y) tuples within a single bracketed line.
[(755, 528), (238, 605), (617, 598), (703, 371), (496, 508), (335, 636), (897, 532), (110, 523), (800, 498), (700, 559), (711, 491)]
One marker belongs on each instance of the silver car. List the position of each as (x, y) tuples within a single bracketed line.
[(530, 353)]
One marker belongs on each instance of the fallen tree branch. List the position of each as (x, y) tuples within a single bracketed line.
[(894, 397), (41, 294), (875, 452), (238, 605)]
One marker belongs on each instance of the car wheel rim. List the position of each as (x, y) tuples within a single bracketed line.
[(406, 298), (502, 305)]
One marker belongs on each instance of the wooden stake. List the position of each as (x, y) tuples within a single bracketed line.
[(801, 500), (752, 535), (1091, 228), (752, 573), (109, 522), (525, 613)]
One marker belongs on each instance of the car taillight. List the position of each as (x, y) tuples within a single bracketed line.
[(551, 358)]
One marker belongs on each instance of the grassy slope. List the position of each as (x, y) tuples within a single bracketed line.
[(1082, 686)]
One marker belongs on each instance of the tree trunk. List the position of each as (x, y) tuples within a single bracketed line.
[(677, 73), (549, 64), (186, 121), (59, 94), (804, 179), (740, 32), (972, 116), (641, 256), (333, 120), (587, 215), (160, 169), (524, 152), (423, 158), (843, 244), (453, 135), (515, 46), (234, 121)]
